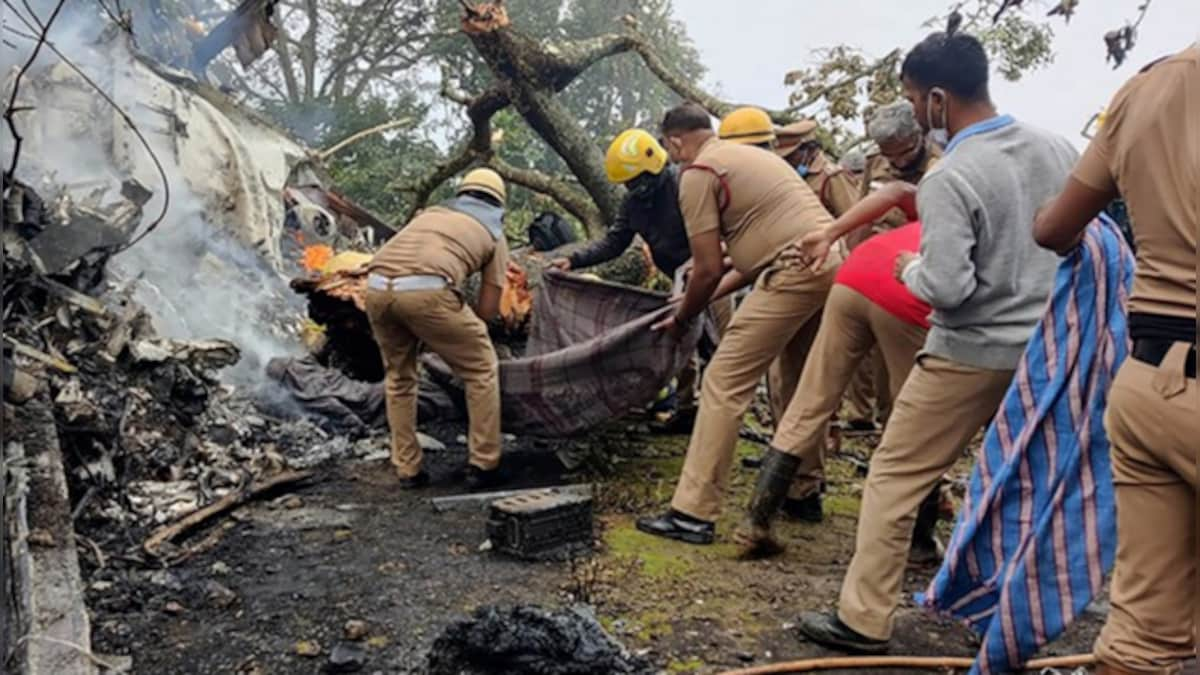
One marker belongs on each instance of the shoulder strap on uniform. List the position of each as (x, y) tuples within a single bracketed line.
[(722, 203), (823, 193)]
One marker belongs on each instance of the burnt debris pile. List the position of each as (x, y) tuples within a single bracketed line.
[(529, 640)]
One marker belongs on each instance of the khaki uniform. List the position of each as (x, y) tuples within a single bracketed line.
[(868, 397), (759, 205), (1147, 151), (838, 191), (451, 245), (852, 328)]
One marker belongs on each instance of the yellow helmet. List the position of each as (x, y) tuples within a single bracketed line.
[(632, 153), (747, 125), (486, 181)]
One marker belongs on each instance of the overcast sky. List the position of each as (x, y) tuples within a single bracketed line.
[(749, 45)]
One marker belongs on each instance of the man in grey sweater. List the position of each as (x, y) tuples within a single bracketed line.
[(987, 281)]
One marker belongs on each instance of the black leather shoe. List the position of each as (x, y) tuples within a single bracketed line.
[(829, 631), (807, 510), (477, 479), (420, 480), (678, 526)]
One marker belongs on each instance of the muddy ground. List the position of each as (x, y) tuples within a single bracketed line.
[(289, 572)]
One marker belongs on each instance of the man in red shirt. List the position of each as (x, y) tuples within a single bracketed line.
[(867, 307)]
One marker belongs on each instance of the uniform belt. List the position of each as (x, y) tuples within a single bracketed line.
[(414, 282), (1154, 351)]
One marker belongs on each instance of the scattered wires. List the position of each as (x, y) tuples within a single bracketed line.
[(41, 39)]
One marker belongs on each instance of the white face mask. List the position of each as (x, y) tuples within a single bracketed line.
[(938, 134)]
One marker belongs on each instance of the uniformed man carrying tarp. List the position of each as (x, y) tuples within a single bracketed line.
[(757, 205), (414, 298)]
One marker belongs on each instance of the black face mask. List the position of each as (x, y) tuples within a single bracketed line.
[(646, 185)]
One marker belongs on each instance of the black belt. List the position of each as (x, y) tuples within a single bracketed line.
[(1154, 351)]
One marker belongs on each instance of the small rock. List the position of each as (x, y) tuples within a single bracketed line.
[(173, 608), (219, 596), (355, 630), (509, 438), (219, 568), (293, 502), (347, 657), (745, 657), (460, 439), (308, 648), (101, 586), (429, 443), (485, 546), (342, 535), (377, 641), (166, 579)]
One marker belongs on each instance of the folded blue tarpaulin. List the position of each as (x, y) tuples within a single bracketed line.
[(1037, 533)]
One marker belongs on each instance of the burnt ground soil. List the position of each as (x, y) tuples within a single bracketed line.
[(352, 546)]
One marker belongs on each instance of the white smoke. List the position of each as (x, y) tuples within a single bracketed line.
[(196, 278)]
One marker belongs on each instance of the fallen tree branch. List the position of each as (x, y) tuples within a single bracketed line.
[(358, 136), (222, 505), (577, 203), (887, 61), (920, 662)]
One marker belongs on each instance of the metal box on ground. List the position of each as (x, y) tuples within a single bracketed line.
[(541, 524)]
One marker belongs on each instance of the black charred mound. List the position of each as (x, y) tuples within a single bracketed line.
[(530, 640)]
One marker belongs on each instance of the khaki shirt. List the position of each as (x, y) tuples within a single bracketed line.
[(443, 243), (1149, 151), (766, 205), (837, 188), (880, 171)]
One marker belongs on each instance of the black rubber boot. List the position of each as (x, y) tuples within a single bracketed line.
[(808, 509), (775, 476), (829, 631)]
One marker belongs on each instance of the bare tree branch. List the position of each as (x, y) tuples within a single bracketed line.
[(888, 61), (574, 200)]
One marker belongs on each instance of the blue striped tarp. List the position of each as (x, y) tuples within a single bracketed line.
[(1037, 533)]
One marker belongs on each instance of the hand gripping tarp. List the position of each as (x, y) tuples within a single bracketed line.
[(1037, 533), (591, 357)]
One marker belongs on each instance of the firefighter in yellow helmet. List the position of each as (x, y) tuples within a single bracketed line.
[(413, 298), (748, 126), (650, 210)]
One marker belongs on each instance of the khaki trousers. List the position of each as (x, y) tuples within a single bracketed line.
[(941, 406), (768, 321), (401, 322), (1154, 429), (862, 396), (685, 388), (852, 327)]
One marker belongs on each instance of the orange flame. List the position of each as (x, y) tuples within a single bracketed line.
[(316, 257), (516, 302)]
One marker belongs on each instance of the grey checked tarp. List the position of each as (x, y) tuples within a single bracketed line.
[(591, 357)]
